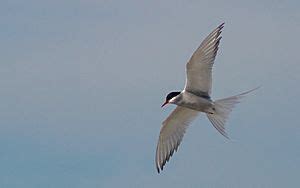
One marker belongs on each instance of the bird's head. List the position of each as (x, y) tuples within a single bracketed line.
[(169, 97)]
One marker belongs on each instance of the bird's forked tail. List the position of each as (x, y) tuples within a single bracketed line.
[(222, 108)]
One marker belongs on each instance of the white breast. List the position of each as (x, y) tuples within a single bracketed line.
[(189, 100)]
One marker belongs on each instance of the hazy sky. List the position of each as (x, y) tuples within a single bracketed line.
[(81, 84)]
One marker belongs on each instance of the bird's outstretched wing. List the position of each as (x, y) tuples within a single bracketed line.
[(199, 67), (172, 133)]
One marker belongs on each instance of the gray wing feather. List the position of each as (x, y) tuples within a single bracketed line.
[(172, 133), (199, 67)]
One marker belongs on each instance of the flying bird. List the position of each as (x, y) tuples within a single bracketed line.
[(195, 98)]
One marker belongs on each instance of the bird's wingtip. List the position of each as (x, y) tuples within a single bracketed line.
[(222, 25), (158, 169)]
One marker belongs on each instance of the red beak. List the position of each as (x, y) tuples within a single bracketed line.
[(164, 104)]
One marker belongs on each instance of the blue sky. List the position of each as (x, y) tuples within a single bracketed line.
[(82, 83)]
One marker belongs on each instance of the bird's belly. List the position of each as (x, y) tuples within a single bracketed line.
[(199, 104)]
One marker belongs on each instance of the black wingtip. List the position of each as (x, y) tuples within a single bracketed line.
[(158, 168), (221, 26)]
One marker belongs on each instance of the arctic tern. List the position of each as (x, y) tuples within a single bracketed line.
[(195, 98)]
